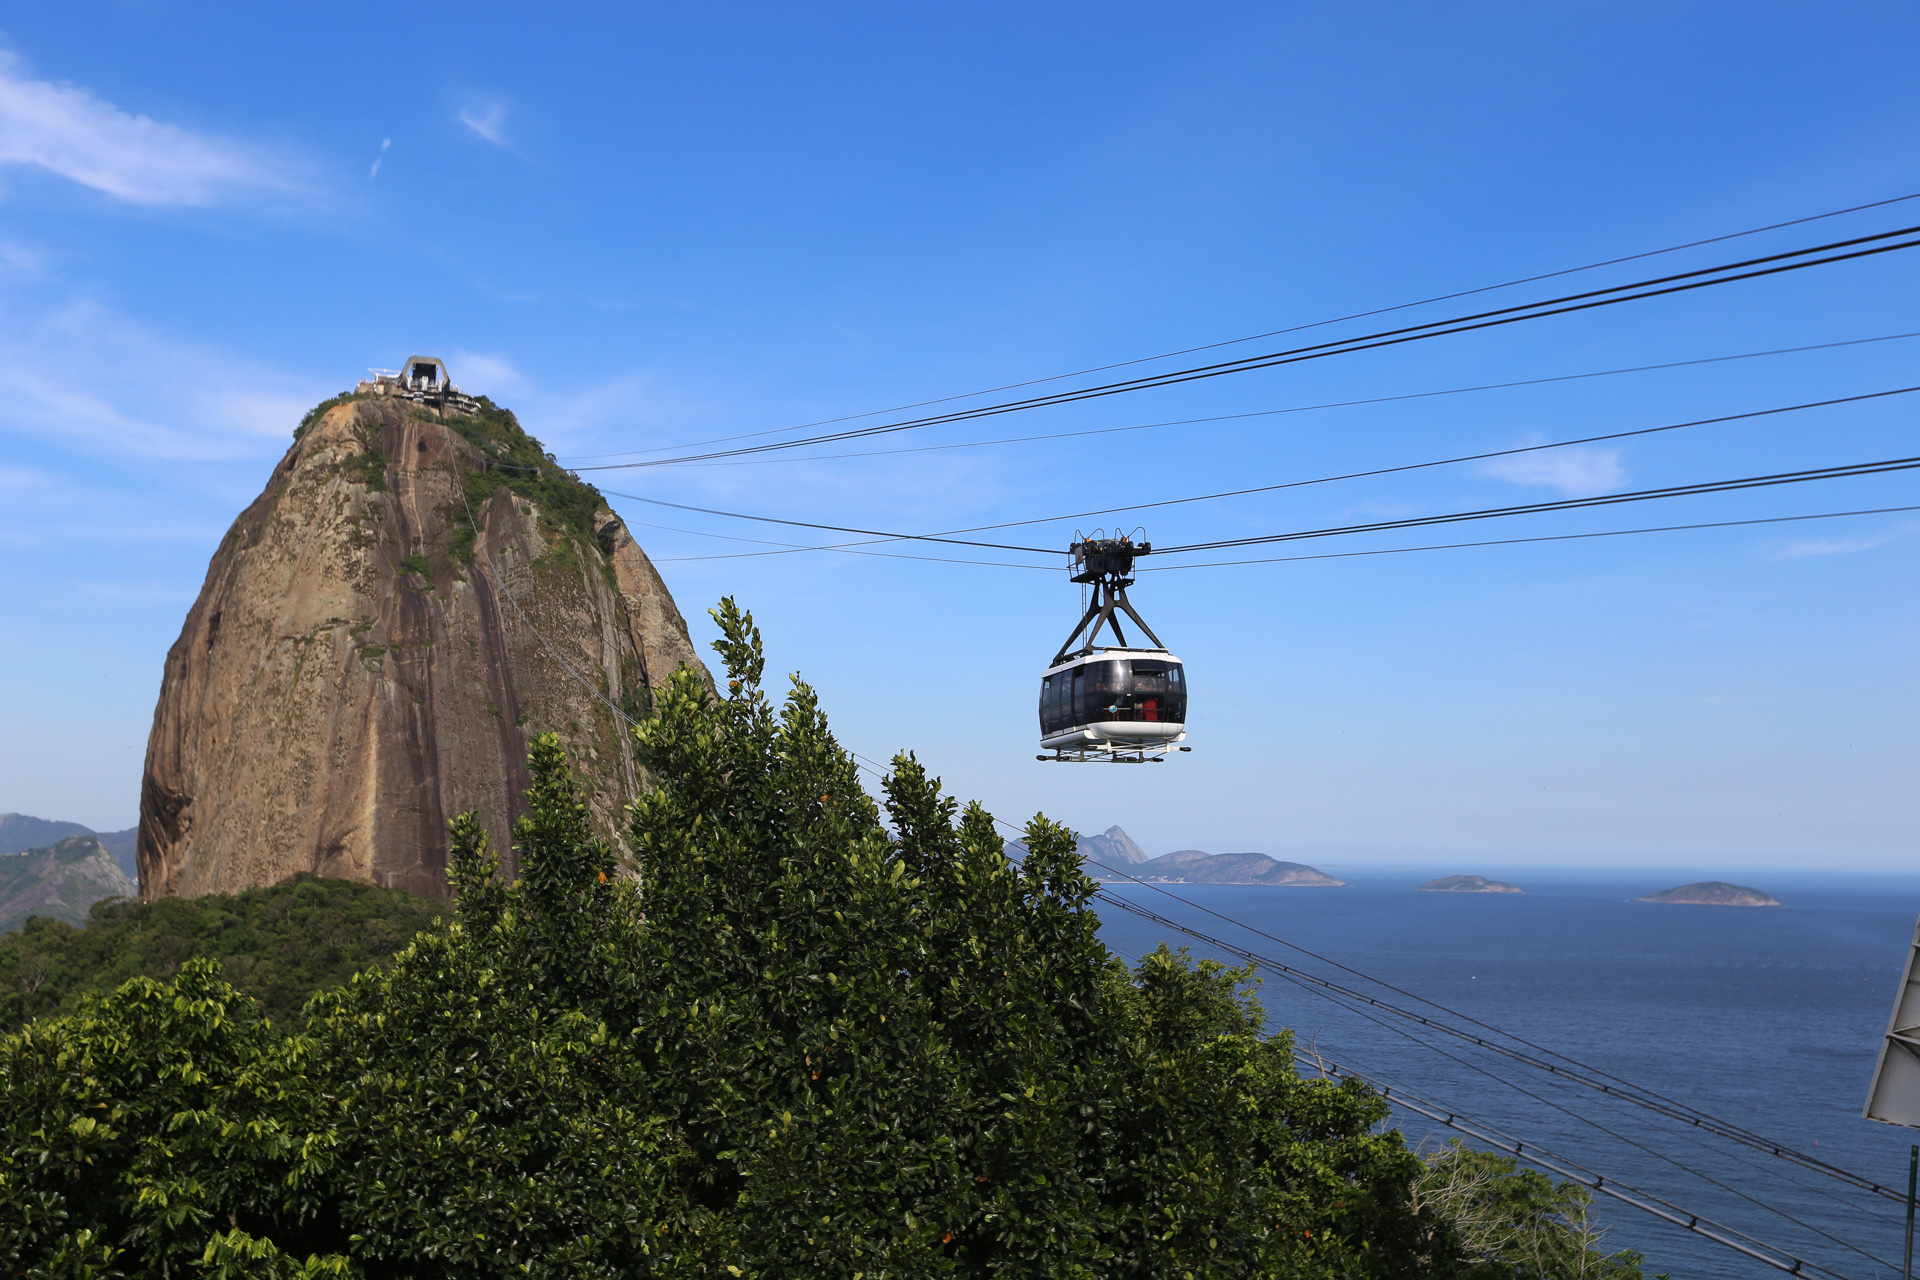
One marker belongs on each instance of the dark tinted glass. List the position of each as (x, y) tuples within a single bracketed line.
[(1158, 692), (1140, 690)]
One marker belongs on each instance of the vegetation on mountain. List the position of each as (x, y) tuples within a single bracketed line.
[(1513, 1222), (567, 504), (278, 945), (318, 411), (817, 1042), (61, 881)]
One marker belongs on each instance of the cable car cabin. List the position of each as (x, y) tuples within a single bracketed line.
[(1113, 704)]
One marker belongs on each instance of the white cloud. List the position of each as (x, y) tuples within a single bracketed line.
[(484, 375), (66, 130), (487, 119), (1576, 471), (375, 171), (1830, 546), (85, 377)]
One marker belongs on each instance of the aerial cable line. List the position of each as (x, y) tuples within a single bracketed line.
[(1304, 408), (1274, 333), (1639, 1094), (1262, 962), (1314, 1060), (1589, 1076), (1568, 504), (1733, 1238), (1537, 1157), (1503, 542), (1446, 462), (950, 535), (835, 528), (787, 548), (847, 549), (1753, 268), (1581, 1118), (1534, 1154)]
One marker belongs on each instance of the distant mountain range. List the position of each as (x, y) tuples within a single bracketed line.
[(20, 832), (63, 881), (1115, 852)]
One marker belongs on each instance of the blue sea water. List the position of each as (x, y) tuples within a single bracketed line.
[(1768, 1018)]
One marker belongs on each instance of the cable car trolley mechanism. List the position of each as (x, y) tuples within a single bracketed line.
[(1117, 703)]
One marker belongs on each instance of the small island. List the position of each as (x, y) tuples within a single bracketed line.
[(1468, 884), (1713, 893), (1194, 866)]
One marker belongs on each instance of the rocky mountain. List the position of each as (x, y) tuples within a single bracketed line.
[(1713, 893), (1468, 884), (61, 881), (19, 832), (416, 594), (1113, 847), (1192, 866)]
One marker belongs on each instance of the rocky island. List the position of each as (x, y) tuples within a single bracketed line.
[(1713, 893), (1192, 866), (1468, 884)]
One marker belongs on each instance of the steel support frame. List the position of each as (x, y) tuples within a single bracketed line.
[(1108, 595)]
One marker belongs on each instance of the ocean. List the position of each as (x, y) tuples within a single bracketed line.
[(1770, 1018)]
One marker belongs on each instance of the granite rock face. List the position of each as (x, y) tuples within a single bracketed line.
[(380, 635)]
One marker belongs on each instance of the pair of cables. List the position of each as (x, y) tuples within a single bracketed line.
[(1858, 247), (951, 538), (1298, 328)]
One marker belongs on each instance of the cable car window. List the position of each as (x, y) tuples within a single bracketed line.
[(1159, 693)]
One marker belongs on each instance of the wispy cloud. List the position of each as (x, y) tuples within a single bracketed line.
[(1831, 546), (485, 375), (85, 377), (67, 130), (487, 119), (1576, 471), (375, 171)]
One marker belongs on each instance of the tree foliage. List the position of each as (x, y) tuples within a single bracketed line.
[(1518, 1224), (826, 1036), (278, 944)]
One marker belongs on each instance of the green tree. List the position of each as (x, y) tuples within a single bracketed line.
[(1518, 1224), (824, 1036)]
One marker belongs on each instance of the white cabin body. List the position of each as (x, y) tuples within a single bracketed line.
[(1124, 701)]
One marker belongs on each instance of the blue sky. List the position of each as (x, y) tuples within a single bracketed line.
[(644, 226)]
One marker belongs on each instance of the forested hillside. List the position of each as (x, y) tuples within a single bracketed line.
[(279, 944), (837, 1037)]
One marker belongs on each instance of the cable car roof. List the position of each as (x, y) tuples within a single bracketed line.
[(1081, 659)]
